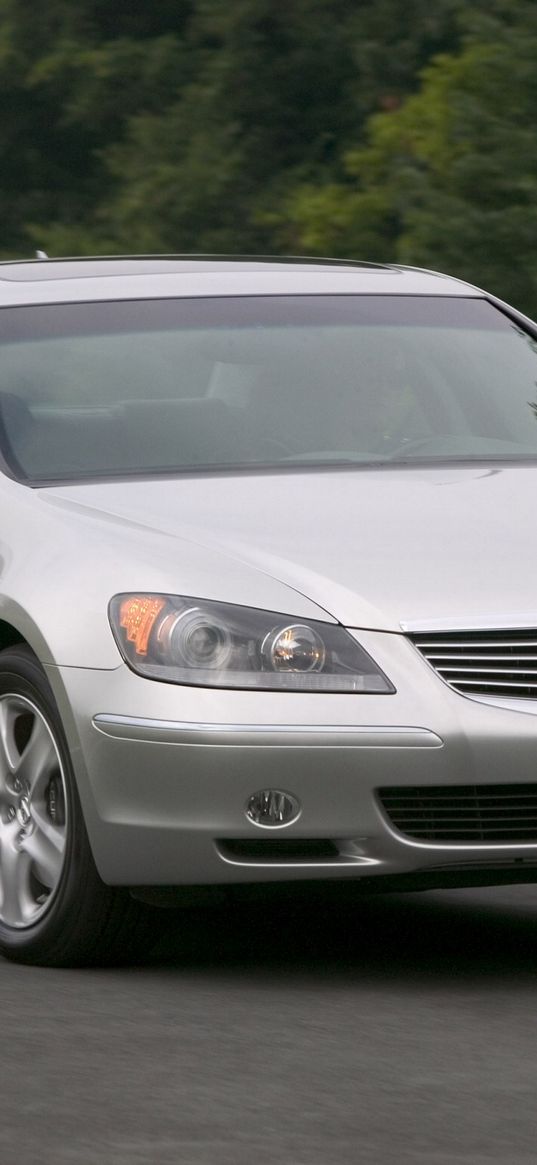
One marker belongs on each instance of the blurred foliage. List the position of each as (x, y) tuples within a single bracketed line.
[(369, 129), (449, 180)]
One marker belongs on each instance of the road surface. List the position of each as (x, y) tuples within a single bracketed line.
[(309, 1031)]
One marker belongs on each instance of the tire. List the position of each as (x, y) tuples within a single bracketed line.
[(54, 908)]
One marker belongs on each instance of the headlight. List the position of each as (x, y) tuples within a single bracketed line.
[(217, 645)]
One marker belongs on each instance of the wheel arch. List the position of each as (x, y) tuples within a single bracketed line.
[(17, 626), (55, 910), (13, 635), (10, 635)]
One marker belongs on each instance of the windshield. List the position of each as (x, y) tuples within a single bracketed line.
[(92, 391)]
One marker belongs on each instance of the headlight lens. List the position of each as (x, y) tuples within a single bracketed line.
[(297, 648), (217, 645)]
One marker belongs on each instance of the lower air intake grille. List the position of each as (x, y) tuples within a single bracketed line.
[(465, 813), (484, 663), (277, 850)]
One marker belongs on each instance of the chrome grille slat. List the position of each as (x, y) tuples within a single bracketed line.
[(464, 643), (477, 813), (489, 671), (478, 658), (483, 662), (493, 684)]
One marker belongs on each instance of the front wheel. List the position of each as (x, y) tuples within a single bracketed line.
[(54, 908)]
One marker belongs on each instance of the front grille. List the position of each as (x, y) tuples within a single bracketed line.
[(484, 663), (465, 813)]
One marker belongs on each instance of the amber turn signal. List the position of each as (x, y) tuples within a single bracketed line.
[(138, 615)]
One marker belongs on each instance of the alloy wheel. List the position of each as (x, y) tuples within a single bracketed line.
[(33, 812)]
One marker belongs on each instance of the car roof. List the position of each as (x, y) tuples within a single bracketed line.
[(45, 280)]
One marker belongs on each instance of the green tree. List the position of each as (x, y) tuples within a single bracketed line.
[(281, 90), (448, 180), (71, 76), (184, 124)]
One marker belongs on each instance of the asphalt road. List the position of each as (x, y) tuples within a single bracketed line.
[(308, 1032)]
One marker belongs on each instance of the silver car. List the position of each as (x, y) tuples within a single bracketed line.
[(268, 600)]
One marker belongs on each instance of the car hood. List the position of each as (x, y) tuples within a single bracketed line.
[(374, 548)]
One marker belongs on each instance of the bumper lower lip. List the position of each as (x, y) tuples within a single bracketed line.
[(185, 732)]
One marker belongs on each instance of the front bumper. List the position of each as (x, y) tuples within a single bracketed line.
[(165, 774)]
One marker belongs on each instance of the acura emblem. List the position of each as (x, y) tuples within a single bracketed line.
[(24, 812), (271, 808)]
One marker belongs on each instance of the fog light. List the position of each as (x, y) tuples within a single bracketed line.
[(272, 808)]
